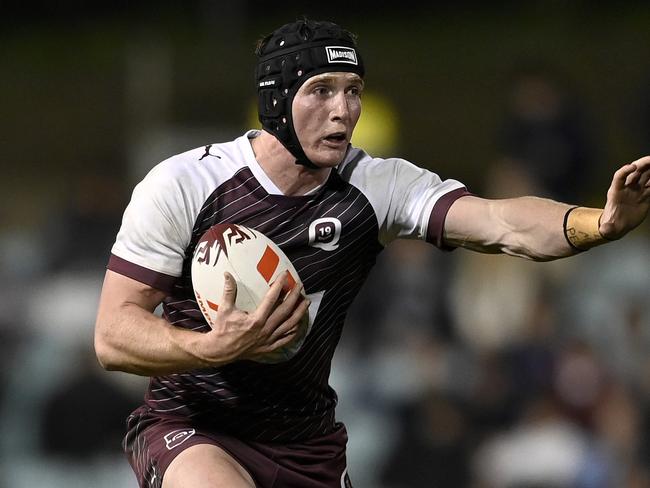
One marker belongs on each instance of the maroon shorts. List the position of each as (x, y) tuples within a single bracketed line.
[(151, 443)]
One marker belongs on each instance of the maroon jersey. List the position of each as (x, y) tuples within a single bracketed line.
[(332, 236)]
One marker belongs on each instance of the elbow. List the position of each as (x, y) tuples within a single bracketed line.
[(105, 353)]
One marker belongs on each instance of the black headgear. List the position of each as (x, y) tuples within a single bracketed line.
[(286, 59)]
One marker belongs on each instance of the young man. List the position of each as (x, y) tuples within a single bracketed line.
[(213, 415)]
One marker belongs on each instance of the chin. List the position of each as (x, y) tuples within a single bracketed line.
[(327, 159)]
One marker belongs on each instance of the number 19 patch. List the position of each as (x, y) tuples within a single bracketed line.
[(325, 233)]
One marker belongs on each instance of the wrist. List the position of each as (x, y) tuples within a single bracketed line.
[(582, 228), (191, 345)]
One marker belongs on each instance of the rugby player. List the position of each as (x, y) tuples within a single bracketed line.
[(213, 416)]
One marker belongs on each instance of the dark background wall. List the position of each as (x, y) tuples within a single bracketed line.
[(69, 106)]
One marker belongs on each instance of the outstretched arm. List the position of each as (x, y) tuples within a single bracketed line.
[(542, 229)]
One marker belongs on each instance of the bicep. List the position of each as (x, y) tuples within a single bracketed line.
[(119, 290)]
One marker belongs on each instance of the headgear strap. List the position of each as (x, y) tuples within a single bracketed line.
[(287, 58)]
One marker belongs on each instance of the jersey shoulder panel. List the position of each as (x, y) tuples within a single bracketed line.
[(402, 194), (158, 221)]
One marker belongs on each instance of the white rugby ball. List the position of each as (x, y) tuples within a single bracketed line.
[(255, 262)]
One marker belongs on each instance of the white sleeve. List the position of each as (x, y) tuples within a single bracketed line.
[(409, 201), (156, 227)]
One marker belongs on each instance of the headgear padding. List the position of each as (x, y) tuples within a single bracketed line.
[(286, 59)]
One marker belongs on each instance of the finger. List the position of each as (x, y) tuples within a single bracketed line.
[(289, 285), (279, 343), (293, 295), (283, 336), (284, 340), (268, 303), (625, 176), (642, 163), (284, 309), (292, 322), (644, 178), (283, 312), (229, 295)]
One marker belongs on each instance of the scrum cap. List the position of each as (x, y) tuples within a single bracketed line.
[(286, 59)]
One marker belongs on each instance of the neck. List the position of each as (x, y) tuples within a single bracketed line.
[(281, 168)]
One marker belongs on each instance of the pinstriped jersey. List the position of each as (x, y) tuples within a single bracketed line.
[(332, 236)]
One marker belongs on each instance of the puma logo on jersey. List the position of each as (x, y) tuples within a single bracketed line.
[(207, 153), (325, 233)]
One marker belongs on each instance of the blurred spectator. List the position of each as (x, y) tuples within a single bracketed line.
[(618, 426), (433, 448), (544, 450), (83, 418), (579, 382), (60, 411), (606, 304), (406, 293), (390, 355), (79, 234), (493, 298), (547, 135), (584, 433), (640, 116)]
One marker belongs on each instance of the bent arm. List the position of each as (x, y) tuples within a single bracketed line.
[(129, 337), (527, 227)]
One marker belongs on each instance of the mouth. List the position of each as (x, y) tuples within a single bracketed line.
[(336, 138)]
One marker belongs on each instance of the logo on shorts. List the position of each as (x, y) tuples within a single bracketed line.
[(341, 54), (176, 437), (325, 233)]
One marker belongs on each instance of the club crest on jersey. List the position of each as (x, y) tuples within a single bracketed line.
[(341, 54), (176, 437), (325, 233)]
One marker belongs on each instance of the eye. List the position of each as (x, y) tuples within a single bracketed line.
[(355, 90), (321, 90)]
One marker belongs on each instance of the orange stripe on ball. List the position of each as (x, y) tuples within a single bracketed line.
[(291, 282), (268, 264)]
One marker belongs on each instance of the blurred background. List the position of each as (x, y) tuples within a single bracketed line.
[(455, 369)]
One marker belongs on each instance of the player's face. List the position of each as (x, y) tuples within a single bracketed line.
[(325, 111)]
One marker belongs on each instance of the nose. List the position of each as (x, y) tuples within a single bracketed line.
[(340, 109)]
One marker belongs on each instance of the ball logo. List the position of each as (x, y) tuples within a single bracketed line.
[(215, 240), (325, 233)]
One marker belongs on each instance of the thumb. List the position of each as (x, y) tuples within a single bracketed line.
[(229, 291)]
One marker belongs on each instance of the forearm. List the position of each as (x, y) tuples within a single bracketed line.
[(134, 340), (527, 227), (533, 228)]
